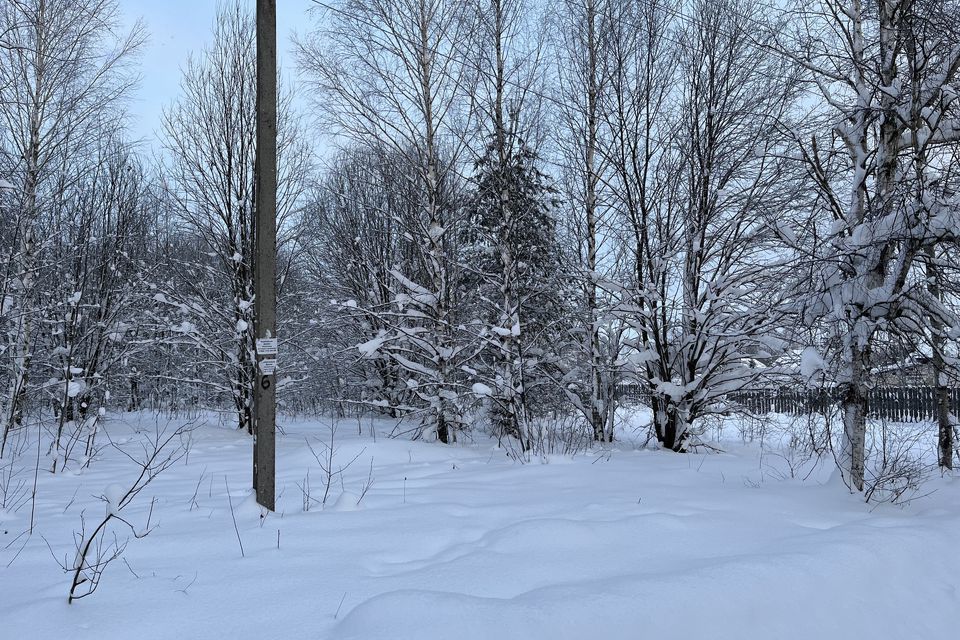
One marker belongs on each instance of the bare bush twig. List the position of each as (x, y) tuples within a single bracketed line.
[(95, 550)]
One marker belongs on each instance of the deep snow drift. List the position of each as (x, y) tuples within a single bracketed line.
[(435, 542)]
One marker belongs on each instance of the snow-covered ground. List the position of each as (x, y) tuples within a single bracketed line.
[(462, 542)]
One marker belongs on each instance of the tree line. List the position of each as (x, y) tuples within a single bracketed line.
[(530, 204)]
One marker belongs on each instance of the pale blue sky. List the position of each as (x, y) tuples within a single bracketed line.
[(176, 28)]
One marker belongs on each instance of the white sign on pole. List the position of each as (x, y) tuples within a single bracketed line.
[(267, 346), (268, 366)]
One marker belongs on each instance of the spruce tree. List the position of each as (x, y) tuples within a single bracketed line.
[(513, 276)]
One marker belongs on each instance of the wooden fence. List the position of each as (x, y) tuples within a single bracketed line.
[(896, 404)]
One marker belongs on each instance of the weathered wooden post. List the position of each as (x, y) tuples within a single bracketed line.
[(265, 256)]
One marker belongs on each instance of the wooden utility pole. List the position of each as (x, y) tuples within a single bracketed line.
[(265, 258)]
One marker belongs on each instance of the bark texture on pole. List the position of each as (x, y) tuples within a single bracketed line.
[(264, 273)]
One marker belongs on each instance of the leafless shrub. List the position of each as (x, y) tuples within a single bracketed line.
[(792, 459), (72, 434), (97, 547), (14, 486), (330, 470), (752, 427), (901, 460), (794, 447), (553, 434), (366, 485)]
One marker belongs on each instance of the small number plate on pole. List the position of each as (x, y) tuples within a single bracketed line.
[(267, 346)]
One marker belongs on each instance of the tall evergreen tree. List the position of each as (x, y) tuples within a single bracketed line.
[(513, 275)]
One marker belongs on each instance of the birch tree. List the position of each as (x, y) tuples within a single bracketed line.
[(693, 116), (391, 72), (887, 74), (92, 275), (583, 36), (210, 139), (64, 69), (358, 221)]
